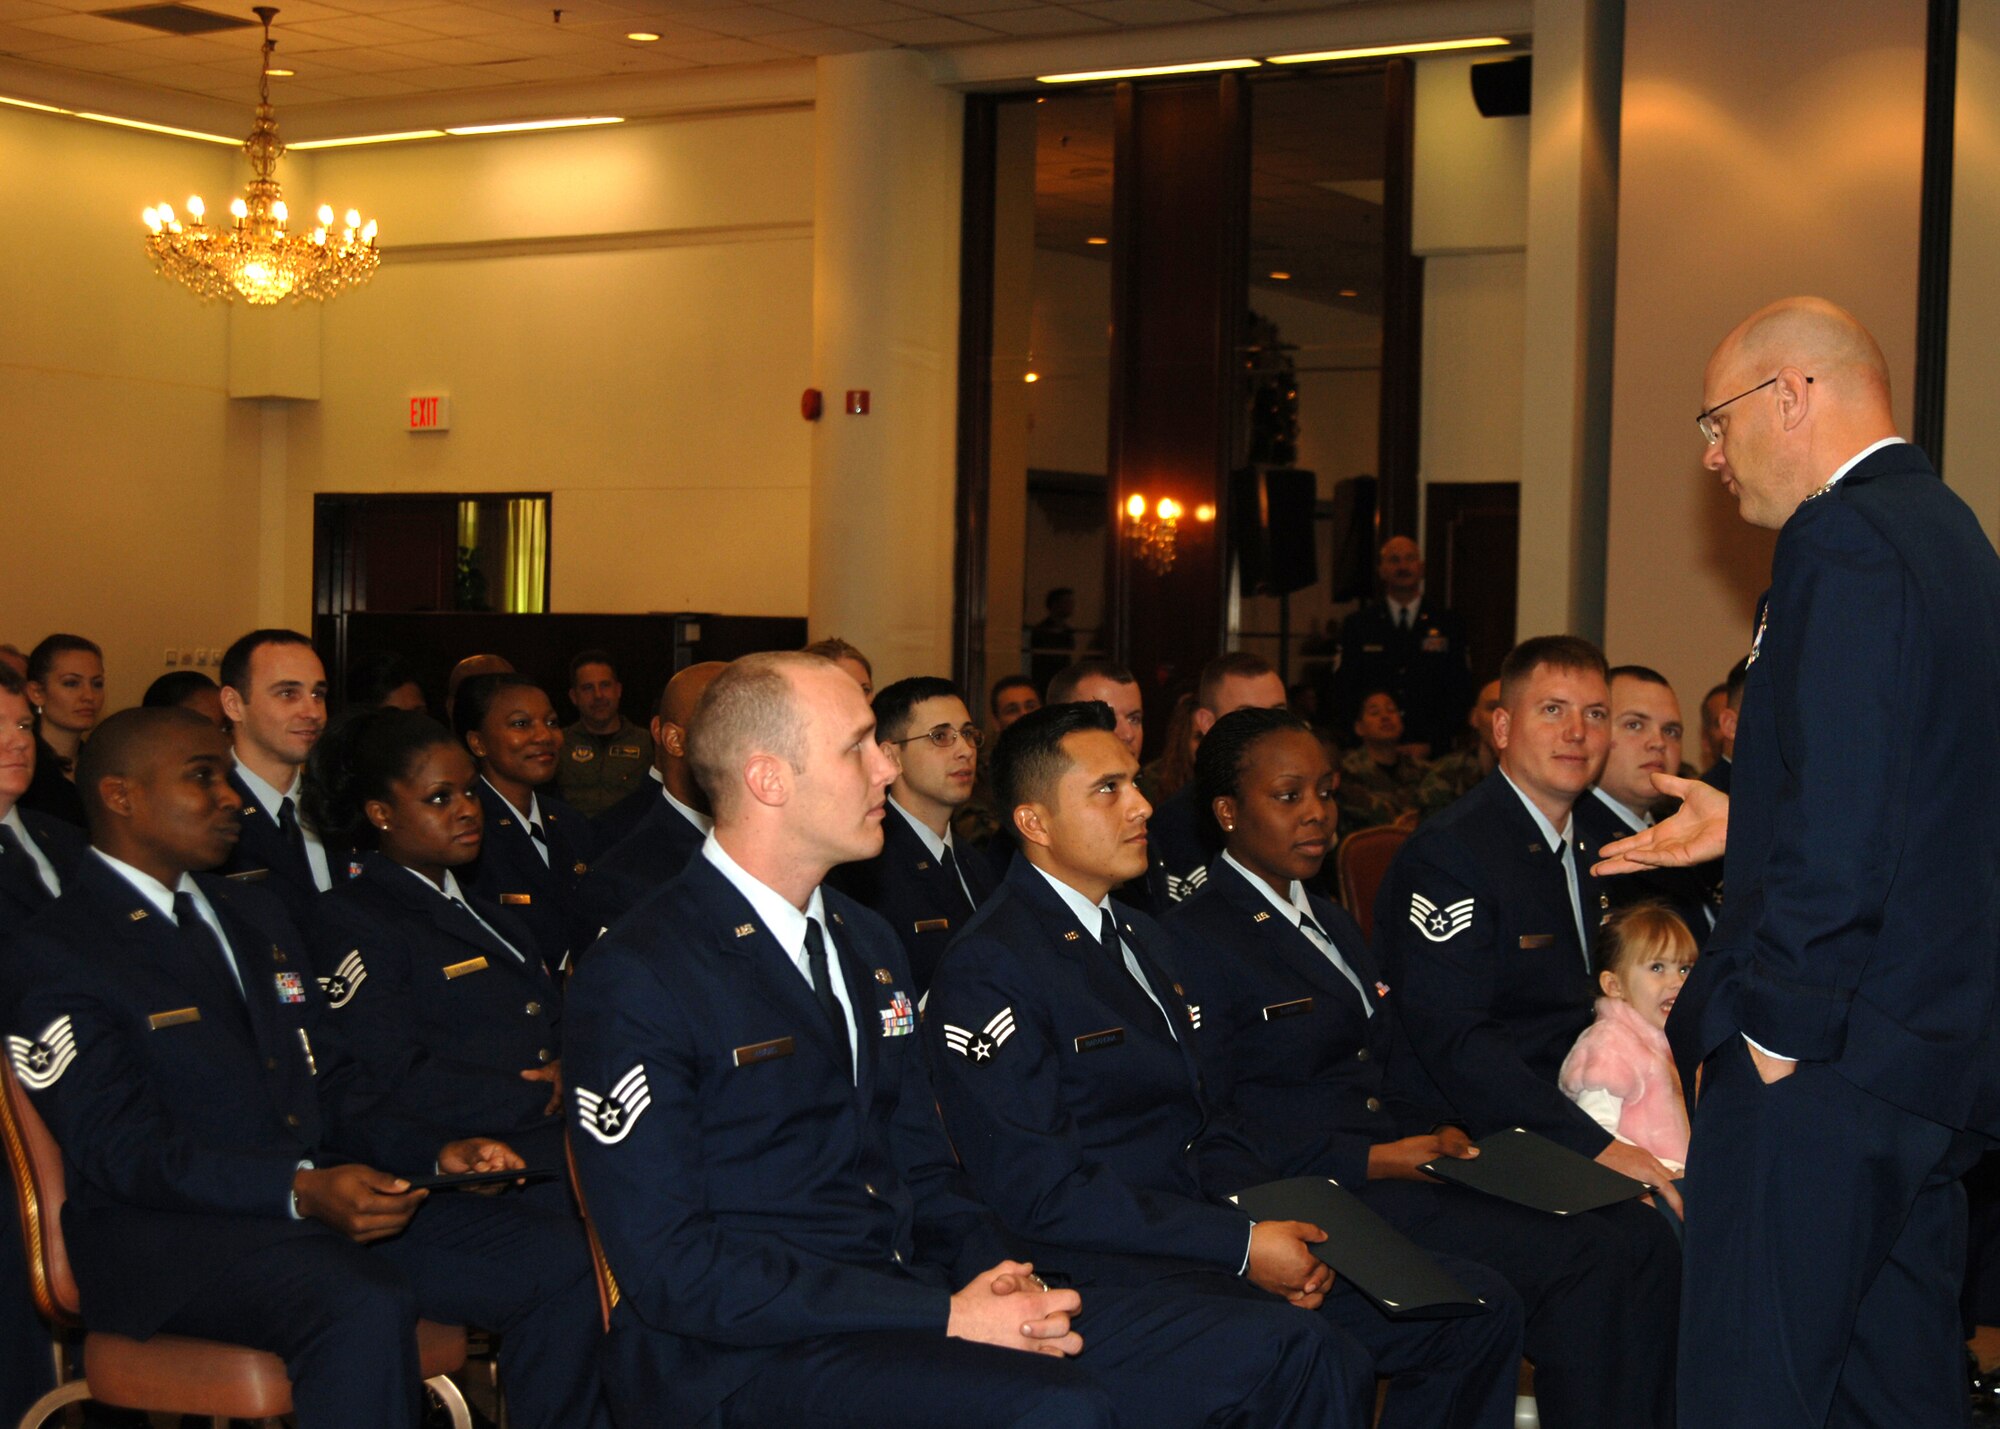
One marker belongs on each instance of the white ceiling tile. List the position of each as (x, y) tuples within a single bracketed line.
[(742, 21), (729, 52), (847, 12), (361, 30), (825, 41), (90, 28), (366, 86), (445, 50), (1147, 12), (12, 12), (1042, 20), (930, 30)]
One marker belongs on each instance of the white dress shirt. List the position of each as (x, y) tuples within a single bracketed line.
[(46, 870), (701, 821), (1567, 843)]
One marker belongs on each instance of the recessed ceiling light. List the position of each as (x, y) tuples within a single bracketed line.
[(1378, 51), (1097, 242), (281, 73), (355, 139), (526, 124), (1281, 277), (160, 128), (644, 37), (1349, 293), (31, 104), (1081, 76)]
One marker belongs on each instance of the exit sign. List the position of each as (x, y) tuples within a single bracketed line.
[(430, 414)]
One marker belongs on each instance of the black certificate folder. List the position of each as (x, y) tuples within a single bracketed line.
[(1519, 1166), (1365, 1250)]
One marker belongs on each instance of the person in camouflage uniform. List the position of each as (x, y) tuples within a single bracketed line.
[(1378, 780), (1455, 774)]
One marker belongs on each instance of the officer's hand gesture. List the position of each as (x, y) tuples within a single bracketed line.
[(358, 1201), (1697, 832), (1281, 1263), (1007, 1306)]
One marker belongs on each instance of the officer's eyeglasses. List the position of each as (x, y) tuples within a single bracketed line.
[(945, 735), (1710, 431)]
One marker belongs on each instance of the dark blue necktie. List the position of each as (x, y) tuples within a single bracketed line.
[(817, 965)]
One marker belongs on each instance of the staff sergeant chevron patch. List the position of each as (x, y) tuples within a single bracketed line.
[(611, 1117), (1440, 924)]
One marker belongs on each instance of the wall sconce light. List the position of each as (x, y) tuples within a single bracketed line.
[(1155, 533)]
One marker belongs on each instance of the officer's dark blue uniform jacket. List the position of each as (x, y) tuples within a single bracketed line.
[(1475, 931), (442, 1014), (543, 895), (1689, 892), (650, 857), (22, 892), (1424, 667), (1863, 869), (749, 1195), (188, 1106), (1288, 1042), (262, 857), (914, 893), (1183, 839), (1079, 1115)]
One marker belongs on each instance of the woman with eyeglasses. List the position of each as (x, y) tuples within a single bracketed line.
[(924, 882), (1307, 1027), (439, 992), (537, 848)]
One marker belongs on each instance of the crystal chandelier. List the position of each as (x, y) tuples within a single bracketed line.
[(257, 257)]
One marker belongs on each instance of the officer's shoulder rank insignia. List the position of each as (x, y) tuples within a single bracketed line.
[(981, 1045), (1440, 924), (39, 1060), (884, 976), (346, 980), (611, 1117)]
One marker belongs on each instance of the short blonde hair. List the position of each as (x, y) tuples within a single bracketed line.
[(751, 708)]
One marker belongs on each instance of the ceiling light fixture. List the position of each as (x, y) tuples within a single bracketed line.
[(1349, 293), (1097, 242), (1423, 47), (367, 139), (281, 73), (1145, 72), (31, 104), (643, 37), (527, 124), (258, 257), (1281, 277), (157, 128)]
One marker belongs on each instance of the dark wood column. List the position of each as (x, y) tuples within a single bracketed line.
[(1402, 312), (1179, 293)]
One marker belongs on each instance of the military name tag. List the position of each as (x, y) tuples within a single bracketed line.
[(763, 1051), (517, 900), (1537, 940), (625, 751), (933, 925), (1296, 1007), (175, 1018), (249, 875), (470, 965), (1098, 1041)]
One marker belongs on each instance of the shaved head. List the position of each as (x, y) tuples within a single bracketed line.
[(673, 725), (124, 746), (1794, 391), (684, 691)]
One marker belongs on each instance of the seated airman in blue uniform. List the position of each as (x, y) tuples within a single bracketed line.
[(1066, 1032), (221, 1165), (757, 1143)]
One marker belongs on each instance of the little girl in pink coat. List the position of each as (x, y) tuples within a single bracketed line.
[(1620, 1070)]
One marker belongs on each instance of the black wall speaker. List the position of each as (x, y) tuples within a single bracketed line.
[(1271, 515), (1503, 88)]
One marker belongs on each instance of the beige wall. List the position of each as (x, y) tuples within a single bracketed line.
[(129, 475), (1785, 160), (1971, 456), (1473, 319), (622, 317)]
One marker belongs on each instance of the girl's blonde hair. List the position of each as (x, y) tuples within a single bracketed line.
[(1639, 931)]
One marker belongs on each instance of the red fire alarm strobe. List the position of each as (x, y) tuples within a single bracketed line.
[(809, 404), (857, 403)]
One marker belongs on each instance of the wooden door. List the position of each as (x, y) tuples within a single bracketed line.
[(1472, 537)]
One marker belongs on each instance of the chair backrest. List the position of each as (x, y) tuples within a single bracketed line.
[(34, 1161), (1362, 863), (607, 1283)]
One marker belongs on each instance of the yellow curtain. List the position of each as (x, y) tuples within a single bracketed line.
[(527, 556)]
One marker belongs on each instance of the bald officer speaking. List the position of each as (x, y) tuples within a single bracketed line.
[(1845, 1006)]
